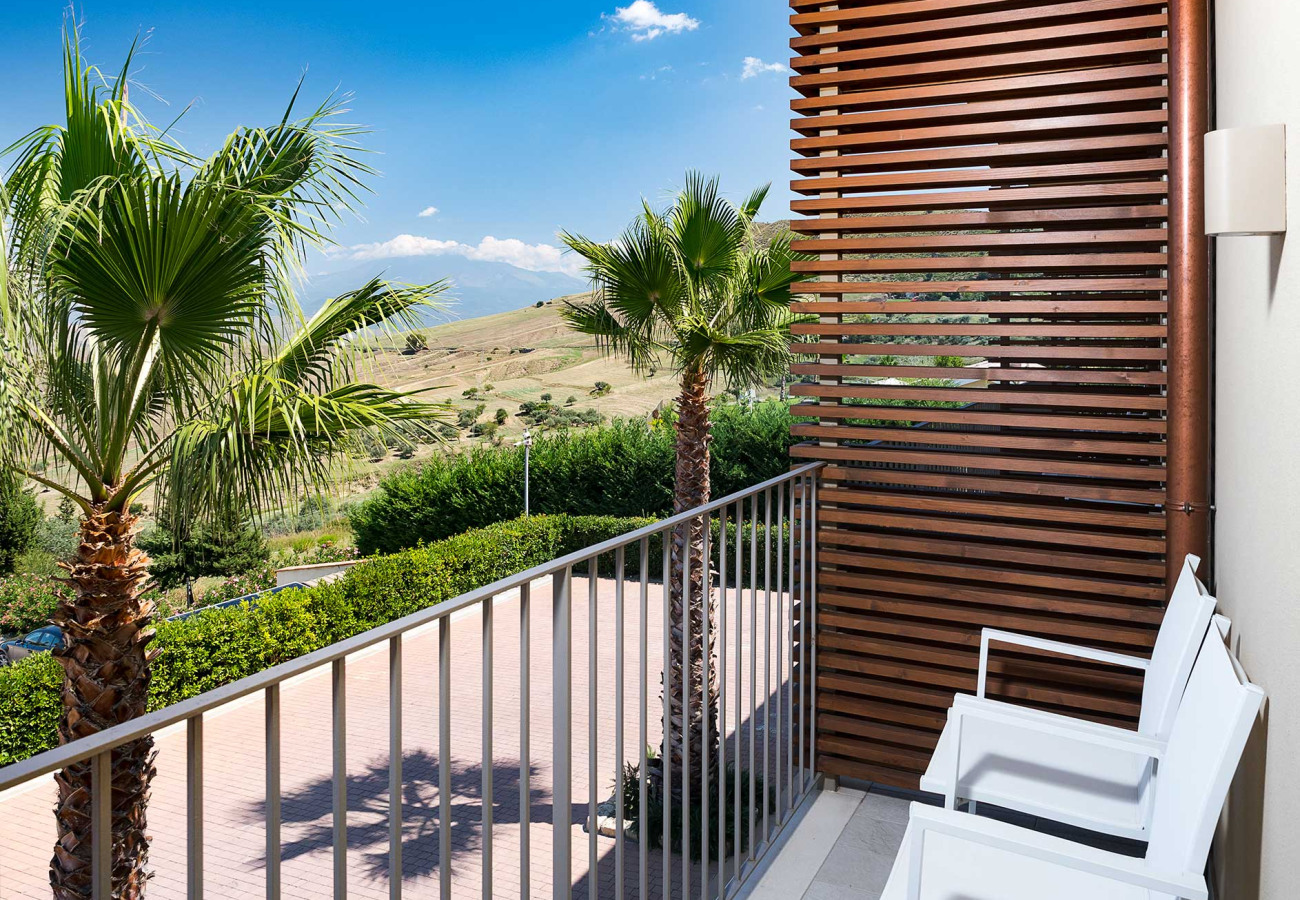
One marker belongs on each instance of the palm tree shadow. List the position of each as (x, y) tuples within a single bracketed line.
[(368, 808)]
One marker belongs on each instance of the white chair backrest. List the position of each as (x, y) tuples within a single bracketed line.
[(1186, 619), (1214, 721)]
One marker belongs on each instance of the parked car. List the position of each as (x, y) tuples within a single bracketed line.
[(42, 640)]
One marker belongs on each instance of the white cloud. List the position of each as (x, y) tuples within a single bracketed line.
[(755, 67), (511, 251), (645, 21), (428, 211)]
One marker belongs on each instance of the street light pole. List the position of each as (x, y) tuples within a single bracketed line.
[(527, 444)]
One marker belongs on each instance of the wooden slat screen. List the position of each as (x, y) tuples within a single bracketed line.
[(984, 190)]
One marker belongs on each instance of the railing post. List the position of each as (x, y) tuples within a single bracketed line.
[(339, 680), (395, 767), (101, 825), (525, 744), (194, 807), (444, 757), (273, 792), (561, 731)]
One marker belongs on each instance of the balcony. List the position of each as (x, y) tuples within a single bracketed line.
[(505, 720)]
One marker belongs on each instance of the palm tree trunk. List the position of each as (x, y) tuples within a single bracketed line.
[(106, 682), (691, 490)]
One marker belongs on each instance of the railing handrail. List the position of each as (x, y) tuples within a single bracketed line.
[(88, 747)]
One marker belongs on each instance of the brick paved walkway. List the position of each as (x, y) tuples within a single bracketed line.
[(234, 842)]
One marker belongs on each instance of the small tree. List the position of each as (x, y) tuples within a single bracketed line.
[(501, 416), (150, 339), (695, 284), (416, 342), (20, 519)]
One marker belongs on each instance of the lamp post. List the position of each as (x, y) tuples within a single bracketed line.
[(527, 444)]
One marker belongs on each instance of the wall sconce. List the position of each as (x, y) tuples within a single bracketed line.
[(1245, 180)]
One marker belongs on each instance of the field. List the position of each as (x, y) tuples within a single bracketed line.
[(520, 355)]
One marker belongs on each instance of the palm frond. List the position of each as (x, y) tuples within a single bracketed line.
[(311, 355), (595, 318), (271, 438)]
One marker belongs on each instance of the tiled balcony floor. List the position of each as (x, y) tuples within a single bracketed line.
[(234, 842)]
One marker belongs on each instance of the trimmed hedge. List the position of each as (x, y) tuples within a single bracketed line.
[(221, 646), (623, 470), (31, 702)]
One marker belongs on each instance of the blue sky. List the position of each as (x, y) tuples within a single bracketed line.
[(512, 119)]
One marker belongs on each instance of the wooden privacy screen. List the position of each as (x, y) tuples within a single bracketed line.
[(985, 189)]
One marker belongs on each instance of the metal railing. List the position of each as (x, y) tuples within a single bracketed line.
[(761, 547)]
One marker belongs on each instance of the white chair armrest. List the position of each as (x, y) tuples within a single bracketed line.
[(1116, 739), (1055, 850), (1027, 712), (993, 635)]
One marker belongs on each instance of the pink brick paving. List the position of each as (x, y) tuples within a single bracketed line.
[(234, 842)]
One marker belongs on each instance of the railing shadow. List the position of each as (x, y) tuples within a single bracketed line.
[(368, 807)]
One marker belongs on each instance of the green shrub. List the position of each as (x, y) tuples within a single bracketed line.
[(222, 550), (220, 646), (28, 601), (31, 693), (58, 538), (625, 470), (20, 518)]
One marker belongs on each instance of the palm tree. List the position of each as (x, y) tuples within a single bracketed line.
[(150, 340), (695, 284)]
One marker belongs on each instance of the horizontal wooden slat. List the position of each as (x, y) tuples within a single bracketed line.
[(1067, 512), (940, 135), (885, 221), (964, 570), (1121, 634), (986, 286), (1006, 38), (990, 88), (1020, 240), (976, 418), (991, 199), (1136, 402), (975, 22), (1078, 262), (977, 329), (977, 440), (1009, 176), (1010, 375), (1058, 151), (1144, 50), (1027, 352), (908, 10), (1095, 563), (963, 460), (987, 111), (1036, 534)]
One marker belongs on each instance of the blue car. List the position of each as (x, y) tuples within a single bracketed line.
[(42, 640)]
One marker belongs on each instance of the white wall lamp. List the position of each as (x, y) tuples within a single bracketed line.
[(1245, 180)]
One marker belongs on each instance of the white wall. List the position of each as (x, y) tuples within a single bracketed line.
[(1257, 459)]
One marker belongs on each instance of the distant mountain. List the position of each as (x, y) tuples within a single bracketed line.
[(478, 288)]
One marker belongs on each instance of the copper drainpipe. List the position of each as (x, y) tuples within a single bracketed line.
[(1188, 493)]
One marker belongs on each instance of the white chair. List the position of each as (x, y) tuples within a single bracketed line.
[(1074, 771), (947, 855)]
